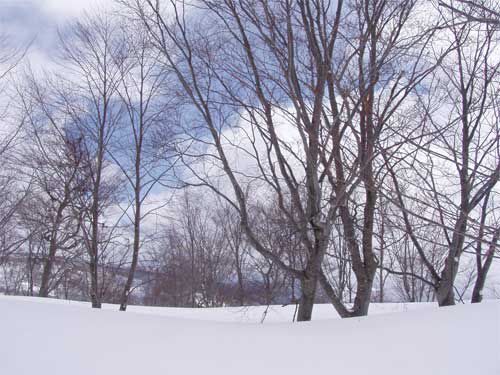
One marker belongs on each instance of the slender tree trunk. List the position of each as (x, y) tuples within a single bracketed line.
[(477, 292), (49, 262), (94, 283), (94, 277), (135, 255), (94, 245), (241, 289), (482, 271), (47, 270), (381, 286)]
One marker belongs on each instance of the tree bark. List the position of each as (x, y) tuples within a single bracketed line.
[(308, 286), (53, 246), (477, 292), (482, 271), (135, 255)]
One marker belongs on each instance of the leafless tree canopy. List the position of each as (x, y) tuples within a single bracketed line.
[(205, 153)]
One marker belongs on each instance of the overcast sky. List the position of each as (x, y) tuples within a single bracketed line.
[(26, 20)]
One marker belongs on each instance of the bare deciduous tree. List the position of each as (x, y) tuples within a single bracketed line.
[(93, 55), (273, 59), (144, 161), (482, 11), (458, 164)]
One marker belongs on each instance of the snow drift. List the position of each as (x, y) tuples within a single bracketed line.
[(50, 337)]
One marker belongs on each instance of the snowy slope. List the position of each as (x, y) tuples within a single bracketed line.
[(54, 338), (247, 314)]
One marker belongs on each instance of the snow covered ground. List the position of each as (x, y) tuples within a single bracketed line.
[(50, 337)]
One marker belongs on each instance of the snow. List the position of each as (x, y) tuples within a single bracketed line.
[(247, 314), (58, 337)]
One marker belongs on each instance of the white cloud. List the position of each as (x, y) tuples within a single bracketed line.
[(35, 23), (64, 9)]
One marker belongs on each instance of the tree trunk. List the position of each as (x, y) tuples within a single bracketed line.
[(445, 293), (477, 293), (49, 262), (47, 271), (135, 257), (94, 248), (363, 296), (241, 289), (93, 265), (239, 275), (482, 269), (308, 293), (94, 288), (446, 299)]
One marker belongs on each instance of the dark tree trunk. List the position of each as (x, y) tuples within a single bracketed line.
[(49, 262), (94, 286), (241, 289), (363, 296), (95, 295), (445, 293), (447, 298), (47, 271), (308, 287), (482, 269), (94, 263), (477, 293)]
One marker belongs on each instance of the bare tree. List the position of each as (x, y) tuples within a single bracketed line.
[(482, 11), (144, 161), (93, 56), (484, 259), (52, 158), (274, 62), (227, 219), (460, 150), (196, 265), (12, 191)]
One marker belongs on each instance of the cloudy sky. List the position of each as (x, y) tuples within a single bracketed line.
[(26, 20)]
